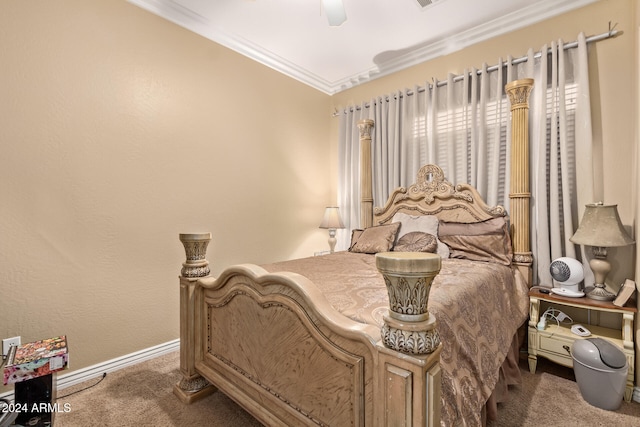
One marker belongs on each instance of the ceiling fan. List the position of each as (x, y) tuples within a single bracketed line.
[(334, 9), (336, 15)]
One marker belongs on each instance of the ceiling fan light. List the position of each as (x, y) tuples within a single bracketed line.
[(334, 9)]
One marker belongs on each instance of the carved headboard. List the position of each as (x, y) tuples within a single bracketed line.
[(432, 194)]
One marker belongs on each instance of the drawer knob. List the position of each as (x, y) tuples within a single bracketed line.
[(566, 347)]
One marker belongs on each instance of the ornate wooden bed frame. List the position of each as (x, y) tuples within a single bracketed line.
[(236, 330)]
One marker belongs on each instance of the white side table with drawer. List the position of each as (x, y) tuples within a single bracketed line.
[(554, 342)]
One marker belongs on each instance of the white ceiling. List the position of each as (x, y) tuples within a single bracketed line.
[(378, 38)]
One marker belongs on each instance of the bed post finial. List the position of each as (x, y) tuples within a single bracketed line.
[(520, 195), (195, 247), (366, 185), (409, 327)]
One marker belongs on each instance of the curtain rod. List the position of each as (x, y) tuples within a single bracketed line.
[(609, 34)]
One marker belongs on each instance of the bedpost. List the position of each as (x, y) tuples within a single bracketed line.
[(411, 390), (520, 195), (366, 185), (192, 386)]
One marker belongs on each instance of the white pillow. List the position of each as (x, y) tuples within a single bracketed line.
[(424, 223)]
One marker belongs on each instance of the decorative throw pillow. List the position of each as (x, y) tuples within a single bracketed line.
[(417, 241), (424, 223), (488, 241), (355, 234), (372, 240)]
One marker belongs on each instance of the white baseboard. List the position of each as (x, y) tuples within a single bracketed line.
[(95, 371)]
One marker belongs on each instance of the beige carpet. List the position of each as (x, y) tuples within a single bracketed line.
[(142, 395), (551, 397)]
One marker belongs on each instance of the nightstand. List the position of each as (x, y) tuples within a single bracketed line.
[(554, 342)]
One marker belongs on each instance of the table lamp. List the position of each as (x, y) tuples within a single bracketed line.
[(332, 221), (601, 228)]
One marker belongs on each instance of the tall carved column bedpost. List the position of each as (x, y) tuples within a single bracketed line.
[(192, 386), (520, 196), (366, 180)]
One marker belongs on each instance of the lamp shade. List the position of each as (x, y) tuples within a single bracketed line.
[(601, 227), (331, 218)]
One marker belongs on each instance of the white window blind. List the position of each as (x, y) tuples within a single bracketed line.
[(555, 187), (456, 127)]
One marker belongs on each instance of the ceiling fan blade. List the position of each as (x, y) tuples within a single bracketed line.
[(334, 9)]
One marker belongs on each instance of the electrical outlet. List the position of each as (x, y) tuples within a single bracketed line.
[(8, 343)]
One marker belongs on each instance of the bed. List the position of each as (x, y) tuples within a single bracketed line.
[(372, 336)]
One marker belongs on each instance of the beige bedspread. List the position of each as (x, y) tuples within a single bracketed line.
[(478, 307)]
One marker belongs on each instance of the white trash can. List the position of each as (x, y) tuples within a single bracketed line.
[(601, 372)]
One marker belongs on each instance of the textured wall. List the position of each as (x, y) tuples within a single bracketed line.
[(114, 125)]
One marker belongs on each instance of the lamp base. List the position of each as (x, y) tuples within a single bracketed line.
[(332, 240), (601, 294), (600, 267)]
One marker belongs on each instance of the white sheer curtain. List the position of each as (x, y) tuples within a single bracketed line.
[(349, 173), (561, 152), (463, 124)]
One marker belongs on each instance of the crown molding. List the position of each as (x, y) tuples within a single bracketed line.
[(536, 12)]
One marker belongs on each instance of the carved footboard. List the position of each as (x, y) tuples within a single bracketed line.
[(274, 344)]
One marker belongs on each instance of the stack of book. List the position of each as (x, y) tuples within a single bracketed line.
[(36, 359)]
